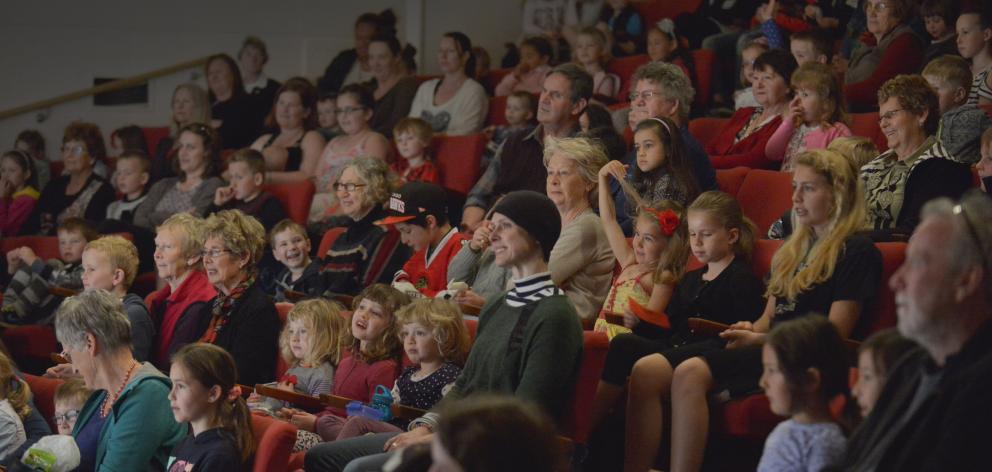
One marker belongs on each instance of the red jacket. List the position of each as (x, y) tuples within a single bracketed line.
[(902, 56), (748, 152), (430, 273), (169, 307), (427, 172)]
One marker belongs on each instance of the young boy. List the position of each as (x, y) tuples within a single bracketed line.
[(291, 247), (961, 123), (413, 137), (420, 214), (27, 299), (521, 109), (940, 16), (950, 77), (131, 179), (70, 396), (811, 46), (246, 170), (111, 263), (327, 116)]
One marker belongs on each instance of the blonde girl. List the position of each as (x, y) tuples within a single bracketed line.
[(592, 52), (814, 118)]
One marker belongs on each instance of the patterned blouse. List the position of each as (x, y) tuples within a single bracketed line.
[(885, 184)]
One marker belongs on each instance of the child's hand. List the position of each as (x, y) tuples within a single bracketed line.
[(287, 413), (286, 387), (304, 421), (13, 260), (223, 195), (521, 70), (795, 112), (741, 337), (27, 256), (630, 320), (613, 168), (6, 188)]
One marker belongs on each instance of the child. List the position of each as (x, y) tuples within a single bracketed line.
[(974, 29), (291, 247), (592, 53), (111, 263), (413, 137), (625, 24), (244, 192), (744, 98), (658, 249), (420, 214), (310, 344), (811, 46), (521, 108), (372, 358), (14, 408), (33, 143), (950, 77), (128, 139), (663, 171), (437, 344), (876, 356), (18, 191), (815, 116), (939, 17), (327, 116), (205, 394), (804, 369), (131, 180), (70, 396), (665, 44), (528, 76), (27, 299)]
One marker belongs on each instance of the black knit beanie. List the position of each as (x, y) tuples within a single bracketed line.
[(536, 214)]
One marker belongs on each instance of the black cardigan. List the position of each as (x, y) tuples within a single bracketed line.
[(336, 72), (930, 179), (251, 336)]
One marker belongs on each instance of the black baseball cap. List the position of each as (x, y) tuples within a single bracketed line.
[(413, 202)]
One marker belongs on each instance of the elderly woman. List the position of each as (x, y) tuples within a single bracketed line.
[(455, 104), (529, 341), (890, 49), (196, 181), (126, 424), (184, 303), (189, 105), (916, 168), (742, 140), (392, 88), (233, 115), (80, 192), (581, 261), (291, 153), (243, 318), (365, 253)]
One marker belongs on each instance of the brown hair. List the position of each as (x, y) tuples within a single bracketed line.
[(212, 366), (211, 149), (857, 149), (950, 69), (821, 79), (387, 345), (285, 225), (727, 211), (417, 127), (257, 43), (886, 347), (325, 326), (250, 157), (138, 155), (90, 135), (35, 142), (72, 391), (308, 99), (238, 87), (915, 96), (444, 319), (13, 389), (81, 226), (131, 137), (811, 342), (121, 254), (676, 161), (822, 44)]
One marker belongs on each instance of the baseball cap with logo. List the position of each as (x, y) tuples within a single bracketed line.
[(413, 202)]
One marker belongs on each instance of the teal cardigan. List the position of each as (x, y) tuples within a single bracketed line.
[(140, 431)]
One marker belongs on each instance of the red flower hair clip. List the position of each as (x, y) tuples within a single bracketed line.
[(668, 220)]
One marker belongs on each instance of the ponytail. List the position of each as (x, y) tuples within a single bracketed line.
[(465, 46)]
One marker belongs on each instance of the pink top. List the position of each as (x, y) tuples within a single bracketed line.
[(14, 211), (605, 84), (780, 148), (532, 82), (331, 164)]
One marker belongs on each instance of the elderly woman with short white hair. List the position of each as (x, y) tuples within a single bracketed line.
[(127, 422), (581, 261)]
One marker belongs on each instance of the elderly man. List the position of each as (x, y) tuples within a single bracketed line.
[(519, 163), (933, 413)]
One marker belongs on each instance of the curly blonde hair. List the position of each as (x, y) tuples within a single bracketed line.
[(241, 234), (444, 319), (324, 324)]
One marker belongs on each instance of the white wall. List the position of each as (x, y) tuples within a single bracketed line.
[(50, 48)]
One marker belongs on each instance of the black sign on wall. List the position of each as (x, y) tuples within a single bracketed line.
[(134, 95)]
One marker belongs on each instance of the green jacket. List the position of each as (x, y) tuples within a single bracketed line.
[(140, 432)]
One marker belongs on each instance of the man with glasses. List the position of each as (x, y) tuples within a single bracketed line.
[(933, 414)]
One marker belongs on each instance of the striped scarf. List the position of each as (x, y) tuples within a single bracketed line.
[(531, 289), (221, 310)]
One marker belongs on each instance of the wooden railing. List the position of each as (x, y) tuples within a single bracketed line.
[(102, 88)]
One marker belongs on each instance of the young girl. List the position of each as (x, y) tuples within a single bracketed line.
[(371, 358), (18, 191), (664, 44), (592, 53), (975, 42), (14, 396), (310, 344), (663, 171), (355, 105), (814, 118), (205, 394), (437, 343), (876, 357), (413, 138), (658, 250), (528, 76), (803, 370)]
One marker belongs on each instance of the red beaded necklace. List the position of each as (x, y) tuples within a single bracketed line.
[(106, 400)]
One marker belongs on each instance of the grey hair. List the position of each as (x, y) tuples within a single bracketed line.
[(674, 84), (972, 242), (580, 82), (587, 154), (381, 181), (95, 312)]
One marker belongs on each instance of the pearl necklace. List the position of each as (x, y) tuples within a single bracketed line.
[(104, 411)]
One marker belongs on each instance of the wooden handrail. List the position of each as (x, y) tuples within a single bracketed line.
[(102, 88), (303, 401)]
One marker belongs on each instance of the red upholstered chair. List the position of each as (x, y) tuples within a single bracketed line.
[(153, 136), (31, 346), (882, 313), (493, 78), (473, 327), (654, 10), (866, 125), (576, 421), (458, 159), (274, 441), (764, 196), (328, 240), (45, 247), (729, 180), (705, 129), (295, 197), (43, 394), (497, 111), (988, 108), (624, 67), (705, 60)]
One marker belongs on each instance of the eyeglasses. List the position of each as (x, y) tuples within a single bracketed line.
[(214, 253), (67, 417), (959, 209), (347, 110), (76, 150), (647, 94), (349, 187), (888, 115)]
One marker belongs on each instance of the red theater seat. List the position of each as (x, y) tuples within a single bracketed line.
[(495, 76), (576, 421), (729, 180), (458, 159), (45, 247), (274, 441), (705, 60), (764, 196), (866, 125), (705, 129), (43, 395), (497, 111), (153, 136), (295, 197), (624, 67), (654, 10)]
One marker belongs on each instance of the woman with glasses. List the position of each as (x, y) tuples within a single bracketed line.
[(80, 192), (916, 167), (365, 253), (242, 319), (355, 106), (891, 48)]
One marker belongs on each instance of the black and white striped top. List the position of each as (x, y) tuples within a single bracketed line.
[(531, 289)]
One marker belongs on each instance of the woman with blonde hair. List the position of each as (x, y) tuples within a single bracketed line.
[(189, 105)]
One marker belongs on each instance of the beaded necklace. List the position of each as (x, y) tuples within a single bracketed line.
[(106, 400)]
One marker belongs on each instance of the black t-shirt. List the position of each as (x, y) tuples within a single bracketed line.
[(734, 295), (212, 450), (856, 278)]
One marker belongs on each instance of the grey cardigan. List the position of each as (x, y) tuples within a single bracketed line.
[(479, 272), (146, 216)]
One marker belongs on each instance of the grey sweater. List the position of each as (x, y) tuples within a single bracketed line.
[(142, 328), (147, 215), (479, 272)]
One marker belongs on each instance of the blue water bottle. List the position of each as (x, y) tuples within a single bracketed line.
[(382, 400)]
